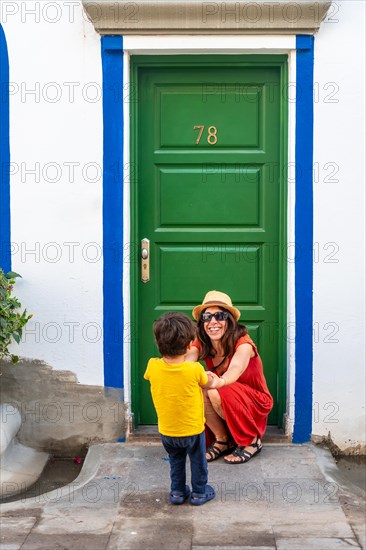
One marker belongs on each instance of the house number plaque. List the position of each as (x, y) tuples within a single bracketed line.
[(211, 134)]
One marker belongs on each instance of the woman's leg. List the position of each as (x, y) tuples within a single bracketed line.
[(215, 418)]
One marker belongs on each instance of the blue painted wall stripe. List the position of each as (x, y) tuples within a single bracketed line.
[(304, 238), (112, 66), (5, 257)]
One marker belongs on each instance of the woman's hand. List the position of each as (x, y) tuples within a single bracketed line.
[(211, 381)]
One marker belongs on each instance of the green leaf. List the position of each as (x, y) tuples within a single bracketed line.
[(12, 319), (12, 275)]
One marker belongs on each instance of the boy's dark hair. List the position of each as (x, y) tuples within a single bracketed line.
[(173, 333)]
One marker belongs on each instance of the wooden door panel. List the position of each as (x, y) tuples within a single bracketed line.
[(234, 196), (235, 128), (182, 264)]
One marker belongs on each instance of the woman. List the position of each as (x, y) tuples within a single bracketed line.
[(238, 409)]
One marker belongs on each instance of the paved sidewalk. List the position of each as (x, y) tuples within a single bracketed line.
[(290, 497)]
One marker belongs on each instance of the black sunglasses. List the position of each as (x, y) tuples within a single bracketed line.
[(219, 316)]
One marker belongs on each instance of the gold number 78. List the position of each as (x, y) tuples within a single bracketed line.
[(211, 137)]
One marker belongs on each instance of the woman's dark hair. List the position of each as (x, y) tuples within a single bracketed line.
[(173, 333), (233, 332)]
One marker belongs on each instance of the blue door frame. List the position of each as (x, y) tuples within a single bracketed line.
[(304, 239), (5, 256)]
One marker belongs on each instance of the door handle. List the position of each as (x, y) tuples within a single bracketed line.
[(145, 260)]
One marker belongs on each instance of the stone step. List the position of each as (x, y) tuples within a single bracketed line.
[(149, 435)]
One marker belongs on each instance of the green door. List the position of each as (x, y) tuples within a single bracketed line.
[(208, 195)]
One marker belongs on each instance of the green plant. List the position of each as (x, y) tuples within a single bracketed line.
[(11, 321)]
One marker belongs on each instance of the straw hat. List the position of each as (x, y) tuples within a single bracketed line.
[(216, 298)]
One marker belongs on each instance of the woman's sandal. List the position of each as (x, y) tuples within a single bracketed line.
[(215, 452), (244, 455)]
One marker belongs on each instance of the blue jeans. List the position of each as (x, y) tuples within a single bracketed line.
[(178, 448)]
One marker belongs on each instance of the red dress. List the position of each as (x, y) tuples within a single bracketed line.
[(247, 402)]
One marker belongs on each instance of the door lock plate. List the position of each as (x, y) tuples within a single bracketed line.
[(145, 260)]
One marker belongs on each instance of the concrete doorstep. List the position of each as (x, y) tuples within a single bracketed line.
[(289, 497)]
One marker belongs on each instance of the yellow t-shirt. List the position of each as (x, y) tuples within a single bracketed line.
[(177, 396)]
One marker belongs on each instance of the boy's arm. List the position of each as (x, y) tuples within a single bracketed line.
[(147, 372)]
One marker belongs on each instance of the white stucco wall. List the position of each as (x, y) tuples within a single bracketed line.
[(56, 215), (339, 227)]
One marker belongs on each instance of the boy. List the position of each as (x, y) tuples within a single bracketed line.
[(176, 392)]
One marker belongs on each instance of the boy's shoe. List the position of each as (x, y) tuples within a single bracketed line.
[(177, 497), (201, 498)]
